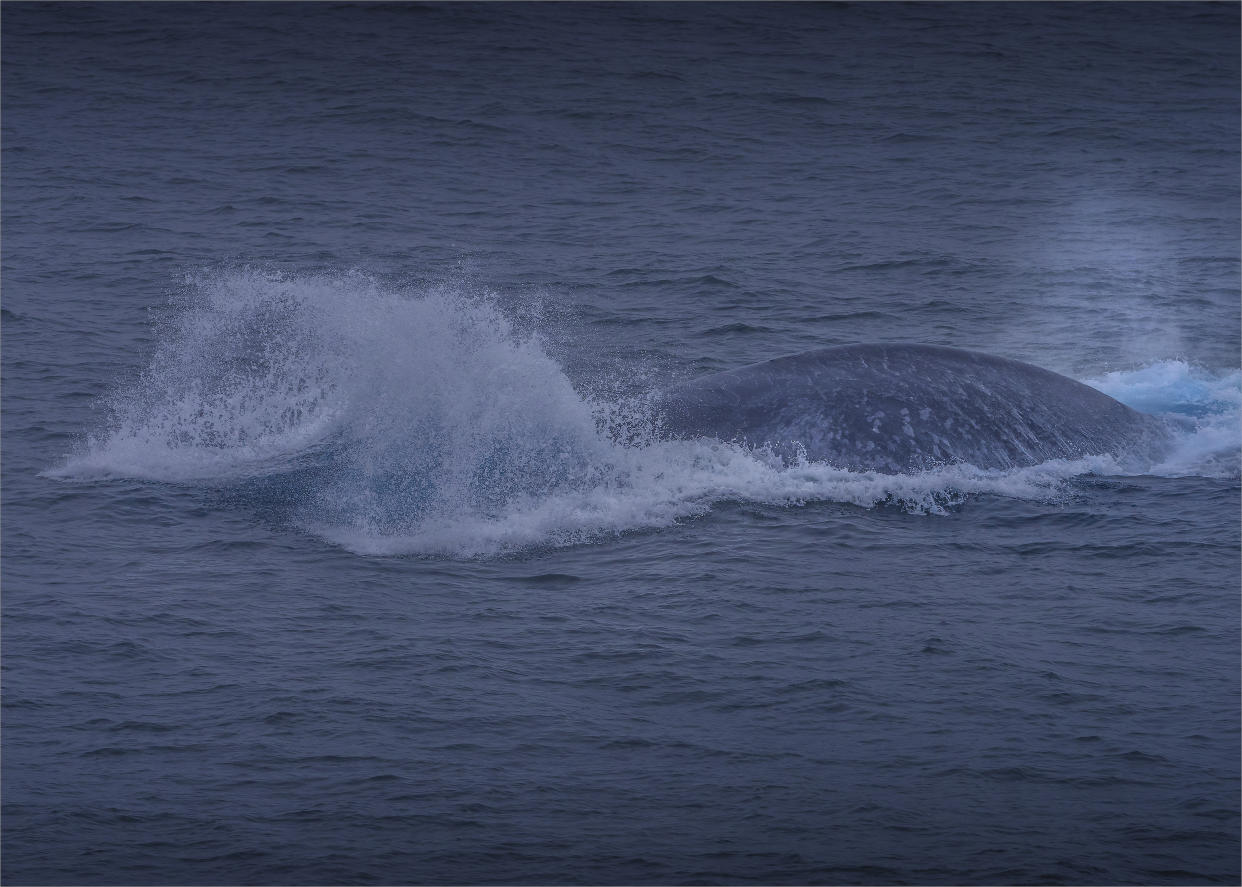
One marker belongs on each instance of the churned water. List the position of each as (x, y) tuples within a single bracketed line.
[(339, 543)]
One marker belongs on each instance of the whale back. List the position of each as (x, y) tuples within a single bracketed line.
[(898, 408)]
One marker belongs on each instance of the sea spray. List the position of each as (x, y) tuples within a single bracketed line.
[(1205, 406), (399, 421)]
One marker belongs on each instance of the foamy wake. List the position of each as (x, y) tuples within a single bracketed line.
[(426, 423)]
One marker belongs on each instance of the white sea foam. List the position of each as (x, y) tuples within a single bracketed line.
[(397, 423), (1205, 406)]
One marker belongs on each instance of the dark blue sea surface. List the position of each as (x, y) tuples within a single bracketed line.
[(339, 545)]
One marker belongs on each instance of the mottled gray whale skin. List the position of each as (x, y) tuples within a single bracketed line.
[(902, 408)]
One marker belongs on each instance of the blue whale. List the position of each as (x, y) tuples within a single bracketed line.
[(901, 408)]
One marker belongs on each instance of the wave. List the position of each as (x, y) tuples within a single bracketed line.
[(432, 422)]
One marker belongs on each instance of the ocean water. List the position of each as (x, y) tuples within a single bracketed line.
[(339, 545)]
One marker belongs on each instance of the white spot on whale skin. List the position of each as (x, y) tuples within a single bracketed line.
[(925, 414)]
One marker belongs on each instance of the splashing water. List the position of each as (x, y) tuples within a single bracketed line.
[(392, 422), (1206, 406)]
